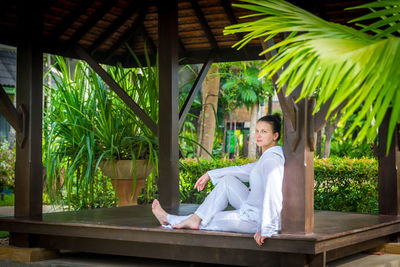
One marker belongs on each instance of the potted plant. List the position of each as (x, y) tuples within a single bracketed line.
[(128, 147), (90, 128)]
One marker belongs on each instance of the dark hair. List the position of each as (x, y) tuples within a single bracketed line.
[(274, 121)]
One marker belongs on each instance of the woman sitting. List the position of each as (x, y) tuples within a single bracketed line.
[(257, 208)]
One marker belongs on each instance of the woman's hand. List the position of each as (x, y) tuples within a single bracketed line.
[(258, 238), (201, 182)]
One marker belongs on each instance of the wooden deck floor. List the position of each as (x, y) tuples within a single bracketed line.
[(134, 231)]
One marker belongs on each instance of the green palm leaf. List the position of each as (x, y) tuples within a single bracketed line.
[(338, 62)]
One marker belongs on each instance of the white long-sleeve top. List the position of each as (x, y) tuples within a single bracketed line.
[(265, 177)]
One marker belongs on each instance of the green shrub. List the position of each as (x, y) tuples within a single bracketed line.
[(4, 234), (341, 184), (7, 165), (345, 184), (8, 200)]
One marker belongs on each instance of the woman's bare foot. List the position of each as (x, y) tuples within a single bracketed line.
[(159, 212), (193, 222)]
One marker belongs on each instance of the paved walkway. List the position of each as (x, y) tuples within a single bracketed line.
[(69, 259), (365, 260)]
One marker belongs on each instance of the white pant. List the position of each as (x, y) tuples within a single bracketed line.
[(228, 190)]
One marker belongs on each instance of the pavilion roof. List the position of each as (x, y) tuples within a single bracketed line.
[(103, 27)]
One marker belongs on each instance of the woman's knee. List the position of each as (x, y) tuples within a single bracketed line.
[(229, 180), (232, 183)]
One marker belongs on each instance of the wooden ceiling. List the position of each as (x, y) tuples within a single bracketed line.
[(105, 27)]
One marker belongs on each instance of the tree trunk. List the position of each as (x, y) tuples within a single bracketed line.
[(328, 136), (245, 149), (207, 118), (252, 141), (329, 129), (270, 105), (229, 135), (319, 144), (235, 140), (224, 140)]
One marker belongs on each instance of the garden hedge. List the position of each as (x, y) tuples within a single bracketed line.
[(341, 184)]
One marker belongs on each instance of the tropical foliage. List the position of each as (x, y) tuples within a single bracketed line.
[(357, 67), (241, 85), (87, 123)]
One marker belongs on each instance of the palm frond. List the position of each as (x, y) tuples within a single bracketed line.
[(334, 60)]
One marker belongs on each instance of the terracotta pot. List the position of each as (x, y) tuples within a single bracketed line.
[(121, 174)]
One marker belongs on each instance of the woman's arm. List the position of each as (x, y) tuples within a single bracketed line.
[(241, 172)]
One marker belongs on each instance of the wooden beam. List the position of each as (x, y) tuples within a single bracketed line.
[(128, 35), (117, 89), (227, 5), (92, 20), (148, 40), (8, 110), (69, 19), (182, 49), (389, 170), (204, 24), (168, 185), (194, 90), (131, 9), (5, 7), (28, 164)]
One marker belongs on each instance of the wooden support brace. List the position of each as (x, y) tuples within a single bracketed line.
[(9, 111), (194, 90), (204, 24), (118, 90)]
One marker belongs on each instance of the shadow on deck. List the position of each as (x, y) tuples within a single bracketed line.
[(133, 231)]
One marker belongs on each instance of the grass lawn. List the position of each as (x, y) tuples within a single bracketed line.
[(4, 234), (7, 201)]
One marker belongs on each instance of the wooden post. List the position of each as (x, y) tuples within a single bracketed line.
[(168, 185), (298, 146), (389, 173), (28, 165), (298, 182)]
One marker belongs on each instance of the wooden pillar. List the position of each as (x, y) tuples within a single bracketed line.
[(298, 182), (389, 173), (298, 147), (168, 185), (28, 166)]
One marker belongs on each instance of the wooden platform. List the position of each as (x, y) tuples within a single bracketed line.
[(134, 231)]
